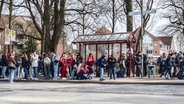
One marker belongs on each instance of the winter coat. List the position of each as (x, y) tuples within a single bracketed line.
[(34, 61), (4, 61)]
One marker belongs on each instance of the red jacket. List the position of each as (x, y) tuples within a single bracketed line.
[(90, 61), (63, 62), (70, 61)]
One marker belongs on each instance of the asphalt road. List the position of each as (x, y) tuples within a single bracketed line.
[(65, 93)]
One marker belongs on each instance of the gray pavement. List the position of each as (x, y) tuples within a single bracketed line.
[(82, 93)]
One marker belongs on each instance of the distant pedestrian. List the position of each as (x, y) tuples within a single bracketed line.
[(111, 64), (161, 62), (47, 63), (25, 65), (4, 66), (102, 64), (34, 63), (11, 67), (63, 66), (138, 62)]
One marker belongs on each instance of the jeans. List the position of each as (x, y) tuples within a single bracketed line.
[(17, 72), (56, 68), (72, 73), (168, 71), (70, 70), (26, 72), (3, 72), (11, 75), (101, 73), (138, 71), (112, 73), (47, 71), (35, 72)]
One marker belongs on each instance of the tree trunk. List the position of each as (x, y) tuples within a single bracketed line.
[(47, 26), (129, 18), (58, 24), (1, 6), (113, 15)]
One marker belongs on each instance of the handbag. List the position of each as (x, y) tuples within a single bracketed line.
[(11, 65)]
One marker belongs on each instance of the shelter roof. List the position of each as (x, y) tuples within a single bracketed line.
[(102, 38)]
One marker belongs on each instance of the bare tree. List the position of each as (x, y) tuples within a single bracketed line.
[(1, 6), (127, 9), (47, 16), (145, 6), (112, 10), (175, 14)]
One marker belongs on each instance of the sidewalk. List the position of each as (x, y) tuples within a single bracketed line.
[(148, 81)]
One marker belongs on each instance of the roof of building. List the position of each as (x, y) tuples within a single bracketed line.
[(103, 30), (167, 40), (152, 36)]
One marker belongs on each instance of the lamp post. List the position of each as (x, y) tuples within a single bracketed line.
[(142, 33), (142, 13)]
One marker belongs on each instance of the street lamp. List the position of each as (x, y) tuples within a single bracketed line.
[(141, 40)]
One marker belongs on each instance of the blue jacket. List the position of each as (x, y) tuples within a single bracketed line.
[(102, 62)]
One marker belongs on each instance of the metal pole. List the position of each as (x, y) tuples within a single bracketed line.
[(142, 33)]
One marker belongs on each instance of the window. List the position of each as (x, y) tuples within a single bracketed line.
[(0, 47)]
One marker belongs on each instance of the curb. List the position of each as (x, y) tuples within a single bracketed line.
[(102, 82)]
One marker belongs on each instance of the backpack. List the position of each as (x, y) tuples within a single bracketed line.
[(181, 74), (97, 62), (56, 59), (47, 61)]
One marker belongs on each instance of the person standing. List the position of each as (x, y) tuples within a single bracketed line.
[(34, 63), (4, 65), (56, 66), (11, 67), (69, 64), (47, 63), (90, 62), (18, 65), (25, 65), (162, 64), (168, 66), (145, 64), (112, 63), (102, 64), (122, 65), (138, 62), (63, 66)]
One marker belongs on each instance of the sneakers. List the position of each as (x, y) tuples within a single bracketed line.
[(102, 79), (54, 78), (34, 78), (2, 77), (11, 82), (64, 78)]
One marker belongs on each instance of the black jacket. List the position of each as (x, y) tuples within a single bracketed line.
[(4, 61)]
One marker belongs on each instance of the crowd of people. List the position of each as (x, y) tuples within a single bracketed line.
[(48, 65), (72, 66)]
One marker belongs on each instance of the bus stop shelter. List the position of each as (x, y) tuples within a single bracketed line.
[(109, 39)]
